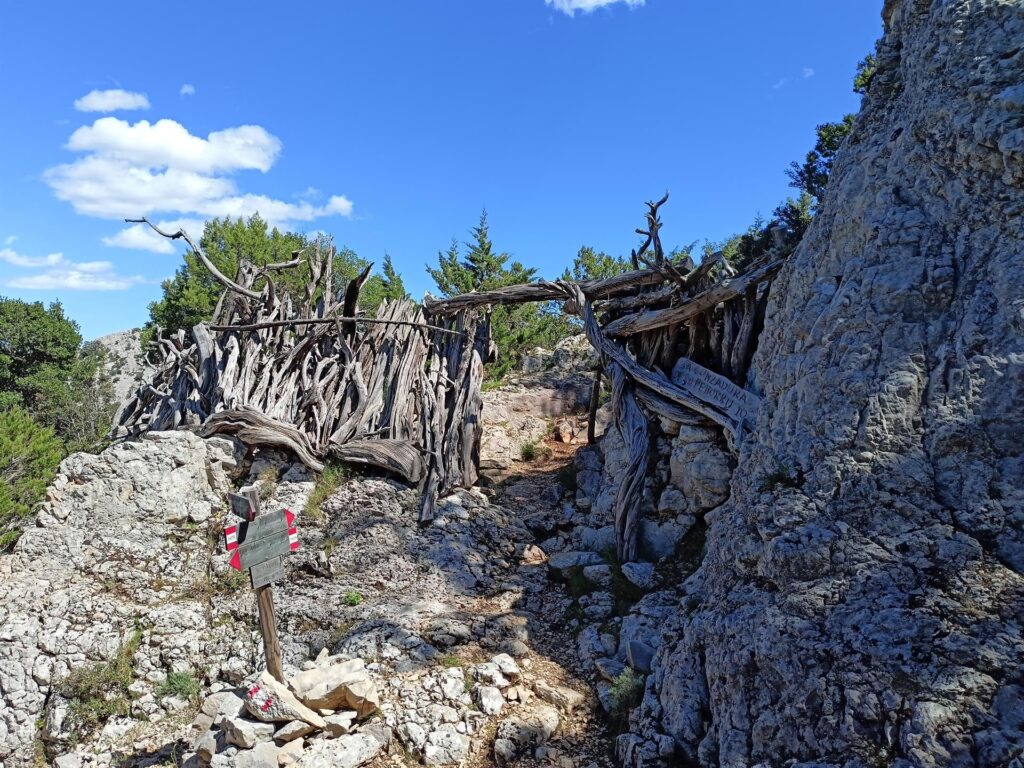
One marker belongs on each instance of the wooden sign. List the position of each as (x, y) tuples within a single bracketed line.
[(261, 539), (258, 544), (716, 390), (241, 506), (267, 572)]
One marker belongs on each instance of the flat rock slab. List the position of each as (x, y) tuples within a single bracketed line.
[(563, 561)]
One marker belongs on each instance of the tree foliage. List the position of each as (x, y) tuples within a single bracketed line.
[(812, 175), (514, 329), (33, 338), (191, 295), (45, 370), (595, 265), (29, 456)]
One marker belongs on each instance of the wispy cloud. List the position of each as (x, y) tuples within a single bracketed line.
[(111, 101), (10, 239), (187, 89), (140, 169), (569, 7), (59, 273), (806, 74)]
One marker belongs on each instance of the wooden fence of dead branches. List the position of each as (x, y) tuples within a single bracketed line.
[(401, 390)]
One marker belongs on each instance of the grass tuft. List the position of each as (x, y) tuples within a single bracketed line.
[(181, 684), (352, 598), (329, 481), (99, 691)]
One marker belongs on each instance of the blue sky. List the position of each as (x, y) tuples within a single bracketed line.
[(391, 124)]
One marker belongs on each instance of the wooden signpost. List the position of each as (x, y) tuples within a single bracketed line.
[(257, 544), (716, 390)]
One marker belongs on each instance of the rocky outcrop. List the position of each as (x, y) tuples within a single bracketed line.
[(120, 546), (121, 614), (125, 364), (861, 597)]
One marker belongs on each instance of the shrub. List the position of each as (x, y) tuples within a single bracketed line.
[(29, 457), (181, 684), (533, 450), (626, 692), (99, 691), (352, 598)]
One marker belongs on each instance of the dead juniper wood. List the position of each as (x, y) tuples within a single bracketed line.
[(400, 391)]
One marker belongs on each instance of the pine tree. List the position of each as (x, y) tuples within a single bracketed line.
[(514, 329)]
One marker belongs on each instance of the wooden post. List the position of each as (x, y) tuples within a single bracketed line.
[(265, 603)]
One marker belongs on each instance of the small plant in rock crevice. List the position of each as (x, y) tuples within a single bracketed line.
[(184, 685), (626, 692), (99, 691), (352, 598), (266, 485), (330, 480)]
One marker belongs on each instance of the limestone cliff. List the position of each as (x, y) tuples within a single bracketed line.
[(861, 598)]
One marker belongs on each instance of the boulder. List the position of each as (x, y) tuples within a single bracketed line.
[(346, 751), (344, 685), (489, 699), (246, 734), (296, 729), (261, 756), (640, 574), (269, 701), (563, 561), (565, 699), (529, 729), (446, 746)]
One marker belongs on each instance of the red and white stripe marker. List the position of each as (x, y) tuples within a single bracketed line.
[(260, 698)]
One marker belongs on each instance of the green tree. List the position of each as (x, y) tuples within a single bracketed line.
[(77, 401), (866, 68), (29, 456), (191, 295), (812, 175), (514, 328), (595, 265), (45, 369), (32, 339)]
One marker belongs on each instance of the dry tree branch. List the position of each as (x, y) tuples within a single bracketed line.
[(322, 320), (230, 284)]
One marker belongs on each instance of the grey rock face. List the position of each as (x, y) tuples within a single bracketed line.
[(869, 611), (126, 364), (107, 547)]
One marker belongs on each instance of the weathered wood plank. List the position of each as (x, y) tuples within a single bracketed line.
[(648, 320)]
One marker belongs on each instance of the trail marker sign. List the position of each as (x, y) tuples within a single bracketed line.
[(257, 544)]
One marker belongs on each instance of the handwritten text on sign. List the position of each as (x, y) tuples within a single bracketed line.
[(716, 390)]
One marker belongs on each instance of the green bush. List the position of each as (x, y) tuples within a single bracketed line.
[(29, 456), (352, 598), (181, 684), (626, 692), (99, 691)]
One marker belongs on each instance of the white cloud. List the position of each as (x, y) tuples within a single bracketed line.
[(111, 101), (10, 239), (569, 7), (167, 143), (780, 83), (808, 73), (58, 273), (140, 169), (187, 89), (141, 237)]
